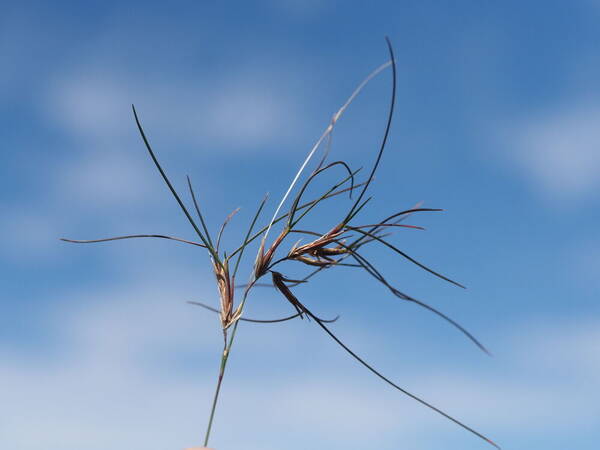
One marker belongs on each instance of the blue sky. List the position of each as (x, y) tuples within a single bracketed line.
[(497, 118)]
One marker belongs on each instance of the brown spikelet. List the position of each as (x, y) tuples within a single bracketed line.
[(316, 253), (279, 282), (263, 260), (317, 262), (225, 285)]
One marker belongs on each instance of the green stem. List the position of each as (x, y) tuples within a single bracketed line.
[(224, 359), (216, 396)]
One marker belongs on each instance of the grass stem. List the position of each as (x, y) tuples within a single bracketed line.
[(217, 391), (224, 358)]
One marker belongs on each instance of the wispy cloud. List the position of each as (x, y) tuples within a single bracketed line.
[(122, 372), (92, 105), (28, 237), (247, 112), (559, 151), (584, 263), (103, 178)]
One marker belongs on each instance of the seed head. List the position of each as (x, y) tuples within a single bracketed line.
[(225, 285)]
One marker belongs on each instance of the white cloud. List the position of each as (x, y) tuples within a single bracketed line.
[(248, 111), (119, 382), (92, 105), (112, 383), (28, 236), (570, 347), (246, 116), (103, 178), (584, 267), (560, 151)]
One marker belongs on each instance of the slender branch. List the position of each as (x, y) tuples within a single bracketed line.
[(294, 206), (325, 196), (385, 135), (326, 133), (400, 252), (227, 219), (250, 228), (245, 319), (213, 408), (172, 189), (279, 281), (197, 207), (377, 225), (394, 385), (371, 270), (283, 216), (132, 236)]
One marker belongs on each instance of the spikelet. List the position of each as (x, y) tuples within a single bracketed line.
[(225, 285)]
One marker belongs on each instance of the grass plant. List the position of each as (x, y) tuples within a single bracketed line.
[(340, 246)]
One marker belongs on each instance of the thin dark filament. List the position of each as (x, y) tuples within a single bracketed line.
[(410, 211), (414, 261), (172, 189), (326, 264), (371, 270), (198, 210), (294, 207), (243, 286), (386, 134), (334, 263), (357, 210), (328, 149), (377, 225), (338, 262), (279, 282), (363, 240), (210, 308), (227, 219), (400, 216), (391, 383), (283, 216), (161, 236), (246, 241), (325, 196)]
